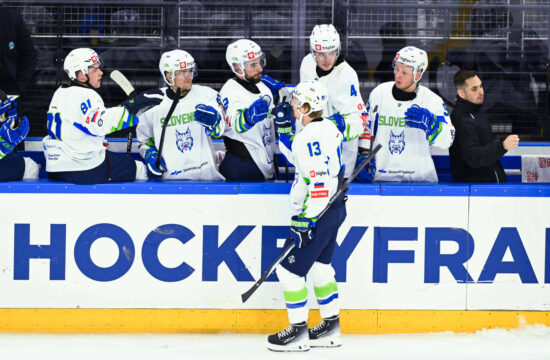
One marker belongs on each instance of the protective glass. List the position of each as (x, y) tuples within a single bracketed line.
[(256, 63), (188, 73), (404, 69)]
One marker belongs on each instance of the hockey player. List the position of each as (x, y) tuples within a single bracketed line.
[(315, 151), (188, 152), (345, 105), (78, 122), (250, 139), (13, 166), (408, 118)]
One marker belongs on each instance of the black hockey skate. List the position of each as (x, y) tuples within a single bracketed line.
[(293, 338), (326, 334)]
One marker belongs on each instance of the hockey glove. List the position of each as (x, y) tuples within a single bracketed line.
[(207, 116), (423, 119), (367, 173), (339, 121), (256, 112), (144, 101), (10, 138), (4, 107), (284, 123), (273, 85), (301, 230), (151, 156)]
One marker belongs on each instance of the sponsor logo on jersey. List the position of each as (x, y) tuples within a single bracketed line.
[(312, 173), (320, 173), (396, 145), (184, 140), (319, 194)]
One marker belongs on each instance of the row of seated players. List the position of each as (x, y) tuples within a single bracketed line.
[(176, 124)]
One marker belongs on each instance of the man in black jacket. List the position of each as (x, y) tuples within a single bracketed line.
[(475, 152), (17, 53)]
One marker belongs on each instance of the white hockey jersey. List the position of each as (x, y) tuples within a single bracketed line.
[(260, 139), (405, 155), (77, 124), (344, 97), (316, 153), (187, 150)]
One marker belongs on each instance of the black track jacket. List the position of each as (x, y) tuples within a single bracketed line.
[(475, 152)]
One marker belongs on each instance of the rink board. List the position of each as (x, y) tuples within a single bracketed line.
[(176, 257)]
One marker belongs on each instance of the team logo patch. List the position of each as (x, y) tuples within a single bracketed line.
[(396, 144), (250, 55), (184, 140), (267, 139), (183, 64)]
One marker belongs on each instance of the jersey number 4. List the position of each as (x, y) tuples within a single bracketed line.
[(54, 125), (314, 148)]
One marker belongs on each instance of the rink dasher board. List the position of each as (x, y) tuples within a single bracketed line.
[(393, 226)]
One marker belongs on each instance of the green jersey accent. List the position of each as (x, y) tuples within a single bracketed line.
[(180, 119)]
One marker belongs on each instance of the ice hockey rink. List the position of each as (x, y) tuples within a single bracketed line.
[(531, 342)]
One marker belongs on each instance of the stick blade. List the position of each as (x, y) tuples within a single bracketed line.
[(123, 82)]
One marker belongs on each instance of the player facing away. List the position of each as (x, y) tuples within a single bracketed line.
[(345, 105), (250, 139), (78, 122), (316, 154), (408, 119), (14, 167), (187, 152)]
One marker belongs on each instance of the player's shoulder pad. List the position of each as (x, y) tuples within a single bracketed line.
[(229, 86)]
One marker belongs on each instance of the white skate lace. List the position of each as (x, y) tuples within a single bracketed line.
[(286, 332), (321, 325)]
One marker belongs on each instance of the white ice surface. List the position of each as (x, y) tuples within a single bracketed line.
[(532, 342)]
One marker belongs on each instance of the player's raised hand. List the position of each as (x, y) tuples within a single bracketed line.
[(257, 112), (339, 121), (283, 119), (144, 101), (207, 116)]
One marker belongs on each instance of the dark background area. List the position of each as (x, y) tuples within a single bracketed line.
[(506, 41)]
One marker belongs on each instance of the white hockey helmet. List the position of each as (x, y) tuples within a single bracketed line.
[(412, 56), (176, 60), (242, 51), (324, 38), (312, 92), (80, 60)]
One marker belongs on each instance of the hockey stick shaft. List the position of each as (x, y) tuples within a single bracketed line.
[(130, 91), (339, 192), (164, 124)]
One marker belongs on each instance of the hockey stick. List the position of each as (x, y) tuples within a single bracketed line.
[(164, 124), (339, 192), (129, 90)]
